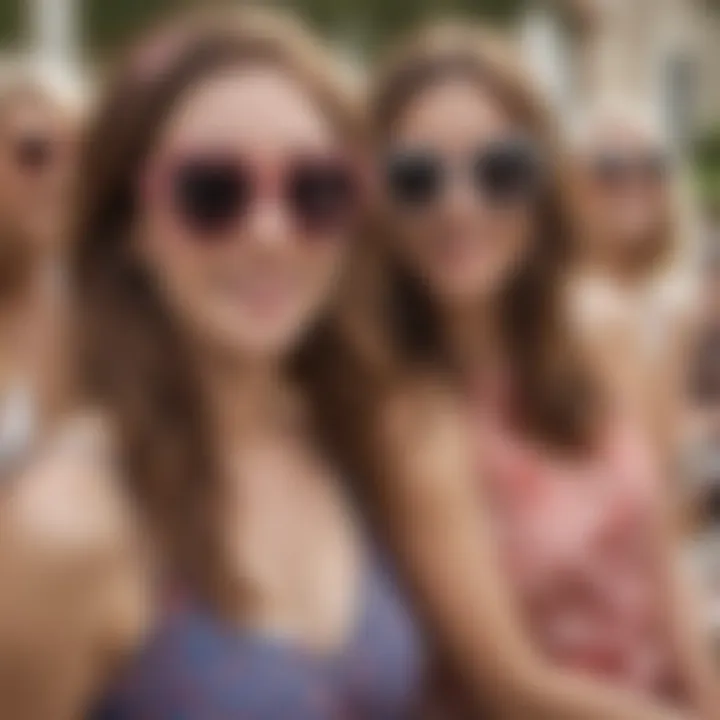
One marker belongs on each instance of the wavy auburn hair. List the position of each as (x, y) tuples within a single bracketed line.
[(556, 399), (133, 358)]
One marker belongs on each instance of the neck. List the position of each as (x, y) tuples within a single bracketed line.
[(473, 339), (24, 314), (246, 396), (622, 269)]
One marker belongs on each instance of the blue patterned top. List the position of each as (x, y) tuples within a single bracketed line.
[(197, 667)]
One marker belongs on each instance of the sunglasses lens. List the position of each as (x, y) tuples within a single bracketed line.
[(616, 170), (656, 167), (506, 171), (210, 194), (414, 178), (322, 194), (34, 153), (610, 170)]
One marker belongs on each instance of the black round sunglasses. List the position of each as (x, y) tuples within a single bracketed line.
[(503, 172)]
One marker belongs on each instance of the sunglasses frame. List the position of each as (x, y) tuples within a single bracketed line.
[(450, 169), (630, 168), (267, 181)]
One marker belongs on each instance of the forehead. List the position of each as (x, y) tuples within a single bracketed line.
[(623, 137), (453, 110), (28, 112), (258, 108)]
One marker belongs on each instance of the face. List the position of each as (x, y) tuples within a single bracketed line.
[(35, 166), (245, 219), (621, 189), (460, 180)]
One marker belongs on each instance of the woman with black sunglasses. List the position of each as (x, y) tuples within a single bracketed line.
[(202, 558), (524, 504), (634, 285)]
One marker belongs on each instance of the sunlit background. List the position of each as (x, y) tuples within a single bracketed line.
[(667, 50)]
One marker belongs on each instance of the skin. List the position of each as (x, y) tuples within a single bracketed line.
[(262, 294), (449, 243), (33, 219), (612, 224), (441, 527), (617, 221), (33, 202), (68, 532)]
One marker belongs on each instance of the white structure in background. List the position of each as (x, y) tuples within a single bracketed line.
[(54, 30), (54, 52), (545, 50), (647, 50)]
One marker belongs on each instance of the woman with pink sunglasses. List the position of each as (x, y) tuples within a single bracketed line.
[(186, 547)]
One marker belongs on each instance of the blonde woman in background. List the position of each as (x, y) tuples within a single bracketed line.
[(37, 139), (632, 294)]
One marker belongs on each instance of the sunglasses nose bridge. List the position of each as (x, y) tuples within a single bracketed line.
[(459, 192), (268, 223)]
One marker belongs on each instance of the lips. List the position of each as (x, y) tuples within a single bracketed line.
[(261, 293)]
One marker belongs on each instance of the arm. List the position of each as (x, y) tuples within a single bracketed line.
[(69, 599), (667, 394), (649, 380), (444, 541)]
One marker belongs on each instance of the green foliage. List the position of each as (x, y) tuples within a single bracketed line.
[(376, 20), (707, 164), (11, 21), (367, 22), (108, 24)]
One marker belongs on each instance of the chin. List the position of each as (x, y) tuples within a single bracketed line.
[(265, 344), (465, 289)]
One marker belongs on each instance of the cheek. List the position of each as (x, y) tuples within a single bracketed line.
[(594, 203), (638, 212), (509, 240), (179, 265), (11, 186), (318, 269)]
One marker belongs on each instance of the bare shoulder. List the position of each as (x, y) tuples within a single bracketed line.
[(75, 592), (594, 304), (423, 432), (68, 533), (68, 501)]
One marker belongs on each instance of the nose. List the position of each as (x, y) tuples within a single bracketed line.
[(269, 225), (460, 198)]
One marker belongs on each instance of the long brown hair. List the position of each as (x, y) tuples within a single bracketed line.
[(133, 359), (555, 396)]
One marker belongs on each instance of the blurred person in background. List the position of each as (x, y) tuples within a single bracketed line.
[(185, 547), (37, 153), (632, 296), (703, 450), (705, 376), (525, 502)]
